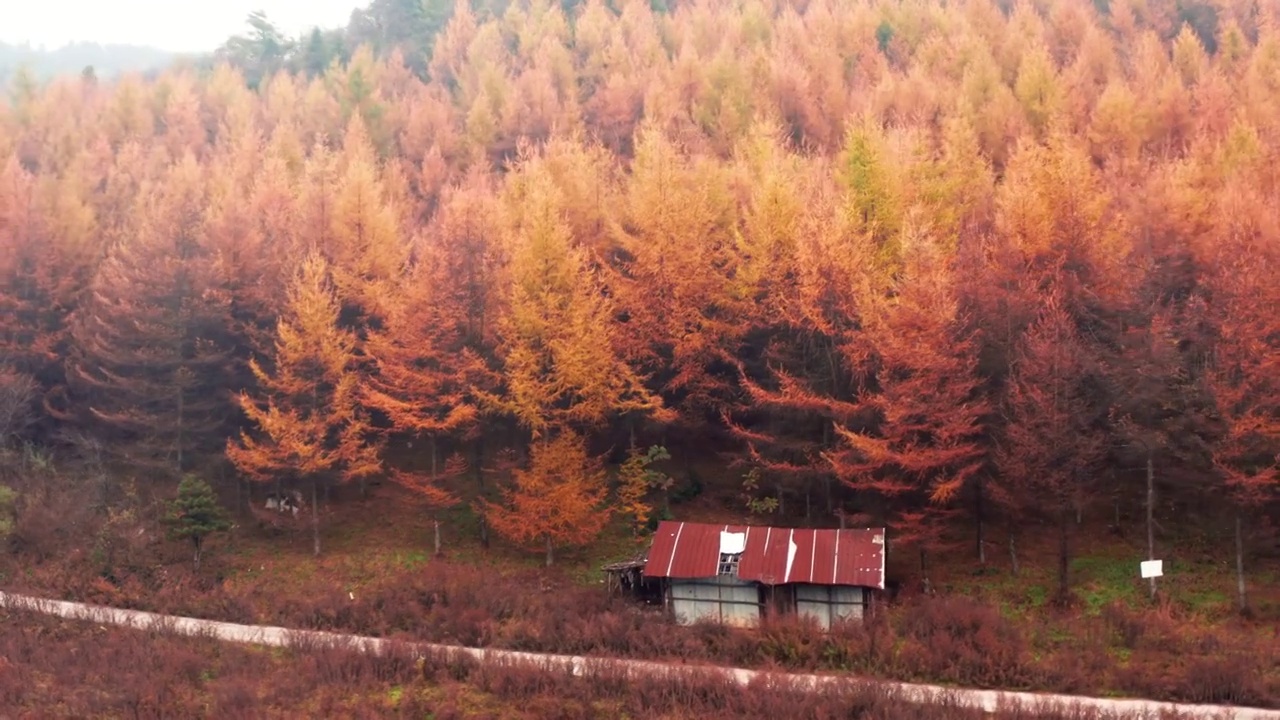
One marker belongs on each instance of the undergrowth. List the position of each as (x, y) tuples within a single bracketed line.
[(68, 669)]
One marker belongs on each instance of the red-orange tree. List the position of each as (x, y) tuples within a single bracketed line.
[(49, 249), (1239, 300), (926, 440)]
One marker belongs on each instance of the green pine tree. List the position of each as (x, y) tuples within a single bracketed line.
[(196, 514)]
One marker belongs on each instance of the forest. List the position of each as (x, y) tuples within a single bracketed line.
[(981, 271)]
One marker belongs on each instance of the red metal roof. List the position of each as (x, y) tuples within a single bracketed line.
[(821, 557)]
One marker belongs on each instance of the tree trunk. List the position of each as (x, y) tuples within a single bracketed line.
[(1013, 554), (978, 511), (924, 573), (1064, 559), (315, 519), (1151, 502), (551, 556), (479, 476), (196, 542), (1240, 591), (436, 524), (181, 410)]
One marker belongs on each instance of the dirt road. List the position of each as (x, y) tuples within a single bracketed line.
[(988, 700)]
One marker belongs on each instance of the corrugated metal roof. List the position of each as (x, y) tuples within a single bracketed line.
[(820, 557)]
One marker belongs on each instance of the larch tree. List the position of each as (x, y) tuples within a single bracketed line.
[(151, 354), (1051, 442), (462, 261), (364, 243), (560, 368), (422, 375), (676, 234), (49, 248), (926, 443), (1239, 301), (561, 372), (252, 218), (558, 500), (1161, 414), (797, 386), (308, 423)]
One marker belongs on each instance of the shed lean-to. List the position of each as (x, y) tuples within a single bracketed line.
[(733, 573)]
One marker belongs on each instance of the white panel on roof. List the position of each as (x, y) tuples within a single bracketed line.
[(732, 543), (791, 556)]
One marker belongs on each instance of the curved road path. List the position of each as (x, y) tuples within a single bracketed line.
[(987, 700)]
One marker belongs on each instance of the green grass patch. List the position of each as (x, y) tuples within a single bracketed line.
[(1101, 581)]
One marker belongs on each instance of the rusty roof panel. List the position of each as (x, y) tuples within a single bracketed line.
[(686, 550), (861, 560), (821, 557)]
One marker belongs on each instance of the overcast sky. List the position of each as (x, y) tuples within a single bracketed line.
[(178, 25)]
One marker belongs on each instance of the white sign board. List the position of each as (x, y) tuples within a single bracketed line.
[(1152, 568)]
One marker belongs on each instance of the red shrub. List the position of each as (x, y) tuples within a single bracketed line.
[(959, 640)]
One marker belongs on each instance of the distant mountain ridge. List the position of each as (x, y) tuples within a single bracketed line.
[(106, 60)]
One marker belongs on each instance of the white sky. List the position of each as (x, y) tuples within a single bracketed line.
[(176, 25)]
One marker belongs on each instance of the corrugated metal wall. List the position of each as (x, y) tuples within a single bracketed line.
[(829, 604), (722, 599)]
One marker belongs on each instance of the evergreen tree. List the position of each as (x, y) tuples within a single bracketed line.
[(196, 514)]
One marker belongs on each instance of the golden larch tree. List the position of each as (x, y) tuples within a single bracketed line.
[(561, 371), (308, 424), (560, 366), (364, 244)]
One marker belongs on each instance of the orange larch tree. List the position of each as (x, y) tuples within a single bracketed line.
[(676, 232), (252, 226), (308, 422), (463, 258), (790, 364), (559, 500), (421, 376), (364, 244), (49, 248), (560, 366)]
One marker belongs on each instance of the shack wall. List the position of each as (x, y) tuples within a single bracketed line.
[(829, 604), (722, 599)]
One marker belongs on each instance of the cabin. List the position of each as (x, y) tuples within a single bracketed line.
[(737, 574)]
